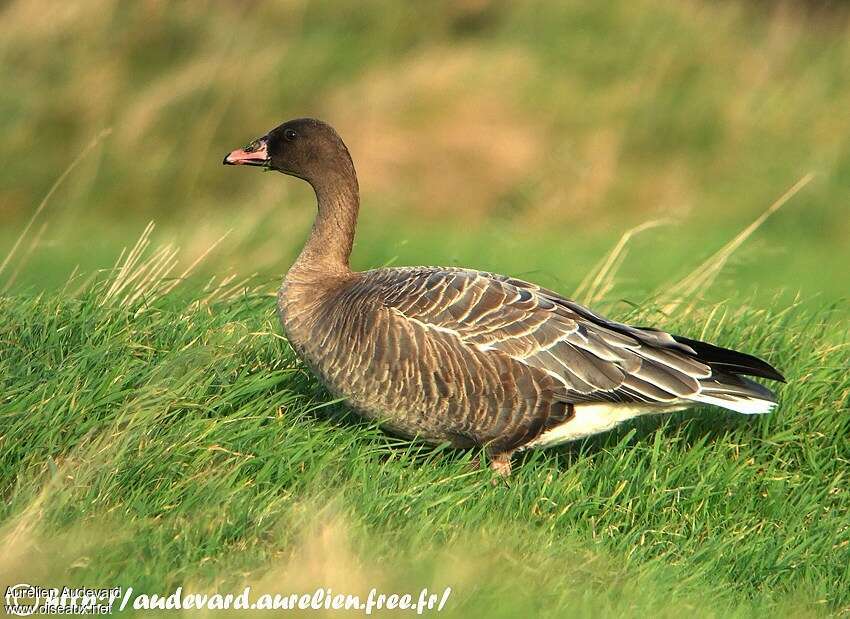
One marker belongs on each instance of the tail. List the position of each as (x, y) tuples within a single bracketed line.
[(728, 386), (736, 393)]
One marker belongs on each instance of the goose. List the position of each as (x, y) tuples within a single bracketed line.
[(467, 357)]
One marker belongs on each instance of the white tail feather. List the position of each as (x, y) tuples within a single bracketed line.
[(594, 418), (744, 405)]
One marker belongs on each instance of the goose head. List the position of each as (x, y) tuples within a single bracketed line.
[(306, 148)]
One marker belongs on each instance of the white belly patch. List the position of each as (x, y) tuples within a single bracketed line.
[(592, 419)]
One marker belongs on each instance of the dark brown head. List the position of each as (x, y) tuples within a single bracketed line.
[(305, 147)]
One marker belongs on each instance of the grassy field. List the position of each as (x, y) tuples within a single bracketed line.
[(156, 429), (168, 441)]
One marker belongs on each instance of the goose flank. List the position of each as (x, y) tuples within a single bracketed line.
[(468, 357)]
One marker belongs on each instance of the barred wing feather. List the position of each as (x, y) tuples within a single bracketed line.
[(592, 358)]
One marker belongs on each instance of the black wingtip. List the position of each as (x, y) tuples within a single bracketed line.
[(732, 361)]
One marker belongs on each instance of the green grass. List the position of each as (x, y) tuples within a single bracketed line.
[(566, 122), (166, 442)]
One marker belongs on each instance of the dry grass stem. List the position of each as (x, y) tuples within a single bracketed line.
[(701, 278)]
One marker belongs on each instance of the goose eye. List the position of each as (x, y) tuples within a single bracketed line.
[(290, 135)]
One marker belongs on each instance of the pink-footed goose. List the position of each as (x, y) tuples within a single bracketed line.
[(472, 358)]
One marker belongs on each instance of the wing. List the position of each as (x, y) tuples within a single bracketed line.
[(591, 359)]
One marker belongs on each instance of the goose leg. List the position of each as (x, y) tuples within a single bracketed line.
[(501, 464)]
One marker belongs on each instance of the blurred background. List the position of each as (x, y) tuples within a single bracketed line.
[(520, 137)]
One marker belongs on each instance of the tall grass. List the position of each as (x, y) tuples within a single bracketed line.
[(152, 441), (550, 126)]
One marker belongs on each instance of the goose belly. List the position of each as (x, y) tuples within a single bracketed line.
[(414, 382), (387, 388)]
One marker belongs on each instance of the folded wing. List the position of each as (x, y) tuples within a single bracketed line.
[(594, 359)]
